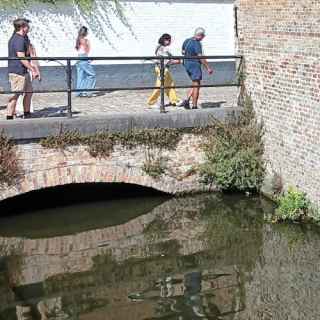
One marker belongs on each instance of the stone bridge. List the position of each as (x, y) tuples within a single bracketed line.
[(48, 167)]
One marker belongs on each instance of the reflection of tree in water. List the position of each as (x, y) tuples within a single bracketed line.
[(185, 270), (198, 258), (6, 294), (233, 232), (229, 228)]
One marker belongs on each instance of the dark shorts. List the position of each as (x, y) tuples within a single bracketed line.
[(194, 71)]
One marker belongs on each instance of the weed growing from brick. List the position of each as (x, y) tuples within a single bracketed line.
[(293, 205), (101, 144), (10, 169)]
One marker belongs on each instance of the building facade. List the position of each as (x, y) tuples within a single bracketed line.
[(132, 30)]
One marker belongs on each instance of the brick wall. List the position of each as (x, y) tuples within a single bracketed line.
[(280, 41), (44, 168)]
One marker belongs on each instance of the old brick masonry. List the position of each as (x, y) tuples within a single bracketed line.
[(280, 40), (45, 168)]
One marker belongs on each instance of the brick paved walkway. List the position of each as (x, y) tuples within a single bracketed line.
[(54, 104)]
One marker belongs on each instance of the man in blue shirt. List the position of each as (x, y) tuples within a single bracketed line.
[(191, 48), (19, 46)]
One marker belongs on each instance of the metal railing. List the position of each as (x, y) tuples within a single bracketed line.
[(161, 62)]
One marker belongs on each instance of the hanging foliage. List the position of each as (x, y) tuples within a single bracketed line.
[(85, 5)]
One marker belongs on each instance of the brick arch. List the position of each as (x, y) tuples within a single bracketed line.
[(60, 176)]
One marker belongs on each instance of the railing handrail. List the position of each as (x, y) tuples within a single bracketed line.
[(120, 58), (161, 60)]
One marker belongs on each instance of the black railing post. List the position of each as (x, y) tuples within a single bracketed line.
[(69, 84), (236, 21), (162, 71)]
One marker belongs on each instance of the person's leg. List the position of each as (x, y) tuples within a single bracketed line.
[(186, 103), (27, 102), (195, 94), (196, 76), (11, 107), (28, 95), (80, 79), (90, 77), (171, 93), (156, 92), (17, 83)]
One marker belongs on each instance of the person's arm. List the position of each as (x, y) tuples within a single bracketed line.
[(206, 65), (172, 61), (26, 63), (20, 49), (204, 61), (35, 63)]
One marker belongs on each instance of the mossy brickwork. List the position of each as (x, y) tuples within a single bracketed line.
[(67, 159)]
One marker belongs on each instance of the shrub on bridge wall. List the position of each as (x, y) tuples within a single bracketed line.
[(234, 153), (10, 169)]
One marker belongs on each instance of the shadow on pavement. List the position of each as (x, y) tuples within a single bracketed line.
[(207, 105)]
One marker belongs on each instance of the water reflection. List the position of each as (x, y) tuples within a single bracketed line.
[(200, 257)]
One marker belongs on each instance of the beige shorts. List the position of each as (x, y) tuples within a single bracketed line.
[(20, 83)]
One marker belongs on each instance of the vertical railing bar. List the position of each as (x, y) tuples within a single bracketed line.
[(236, 21), (162, 71), (69, 85)]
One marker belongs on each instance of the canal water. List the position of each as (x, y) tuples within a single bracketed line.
[(154, 257)]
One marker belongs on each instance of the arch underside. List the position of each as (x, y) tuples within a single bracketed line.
[(98, 174)]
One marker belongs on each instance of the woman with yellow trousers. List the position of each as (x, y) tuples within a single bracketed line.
[(163, 51)]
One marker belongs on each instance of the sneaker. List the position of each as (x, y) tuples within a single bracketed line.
[(26, 115), (194, 107), (175, 104), (9, 117), (185, 104)]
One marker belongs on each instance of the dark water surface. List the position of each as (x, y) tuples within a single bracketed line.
[(199, 257)]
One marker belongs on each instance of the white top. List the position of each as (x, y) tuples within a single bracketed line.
[(82, 50), (84, 46), (163, 51)]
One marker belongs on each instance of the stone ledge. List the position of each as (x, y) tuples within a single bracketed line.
[(30, 129)]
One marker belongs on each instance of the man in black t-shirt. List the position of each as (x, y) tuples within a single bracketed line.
[(19, 46)]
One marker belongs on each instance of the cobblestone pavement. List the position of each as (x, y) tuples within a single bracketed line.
[(54, 104)]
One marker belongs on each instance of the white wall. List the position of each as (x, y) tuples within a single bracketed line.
[(54, 28)]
